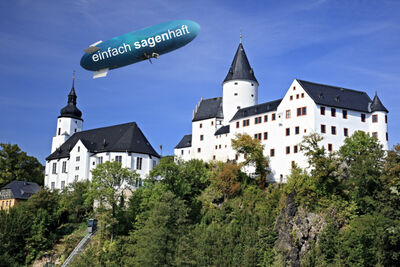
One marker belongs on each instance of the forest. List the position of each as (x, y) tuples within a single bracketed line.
[(342, 210)]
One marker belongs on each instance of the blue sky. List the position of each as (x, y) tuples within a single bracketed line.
[(353, 44)]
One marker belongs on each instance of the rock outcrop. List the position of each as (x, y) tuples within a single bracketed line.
[(297, 231)]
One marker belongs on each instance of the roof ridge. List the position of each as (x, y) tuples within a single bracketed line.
[(269, 102), (333, 86), (86, 131)]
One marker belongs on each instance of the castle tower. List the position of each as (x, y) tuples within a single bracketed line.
[(378, 121), (69, 122), (240, 87)]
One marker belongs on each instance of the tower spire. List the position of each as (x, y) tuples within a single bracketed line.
[(240, 68), (240, 36), (71, 110)]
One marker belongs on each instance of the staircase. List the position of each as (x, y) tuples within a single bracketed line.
[(78, 249)]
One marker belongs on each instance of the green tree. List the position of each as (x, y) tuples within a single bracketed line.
[(156, 239), (253, 150), (363, 157), (109, 183), (75, 201), (17, 165)]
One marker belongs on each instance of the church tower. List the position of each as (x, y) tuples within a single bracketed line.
[(240, 87), (69, 122)]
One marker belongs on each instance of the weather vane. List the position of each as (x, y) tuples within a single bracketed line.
[(73, 75), (241, 36)]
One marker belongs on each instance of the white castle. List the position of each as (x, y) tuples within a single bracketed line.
[(74, 153), (280, 125)]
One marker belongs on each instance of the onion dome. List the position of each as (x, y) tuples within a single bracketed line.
[(70, 110)]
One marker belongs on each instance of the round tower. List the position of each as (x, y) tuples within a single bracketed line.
[(378, 122), (240, 87), (69, 122)]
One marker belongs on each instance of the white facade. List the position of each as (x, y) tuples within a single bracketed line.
[(238, 94), (281, 128), (75, 153)]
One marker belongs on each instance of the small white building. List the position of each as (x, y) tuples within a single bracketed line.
[(75, 153), (280, 125)]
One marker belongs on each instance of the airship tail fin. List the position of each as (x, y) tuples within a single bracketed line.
[(92, 48), (100, 73)]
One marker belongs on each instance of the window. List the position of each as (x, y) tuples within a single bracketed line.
[(265, 135), (78, 158), (154, 163), (333, 112), (346, 132), (297, 130), (236, 83), (76, 178), (387, 137), (237, 124), (257, 120), (64, 167), (214, 157), (291, 97), (182, 152), (76, 168), (212, 123), (216, 146), (246, 123), (288, 114), (59, 131), (94, 163), (139, 163), (301, 111), (257, 136), (362, 117), (53, 185), (302, 95), (374, 118), (322, 109), (79, 149), (295, 149), (272, 152), (100, 160), (385, 118), (62, 184), (333, 130), (201, 137), (375, 134), (219, 146), (118, 159), (330, 147), (344, 113), (287, 131), (201, 125), (323, 128), (288, 150), (199, 150), (273, 116), (54, 168), (294, 88), (265, 118), (297, 96)]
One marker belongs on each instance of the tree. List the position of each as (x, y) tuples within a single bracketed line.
[(227, 179), (155, 242), (363, 157), (324, 167), (17, 165), (253, 150), (75, 202), (109, 181)]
